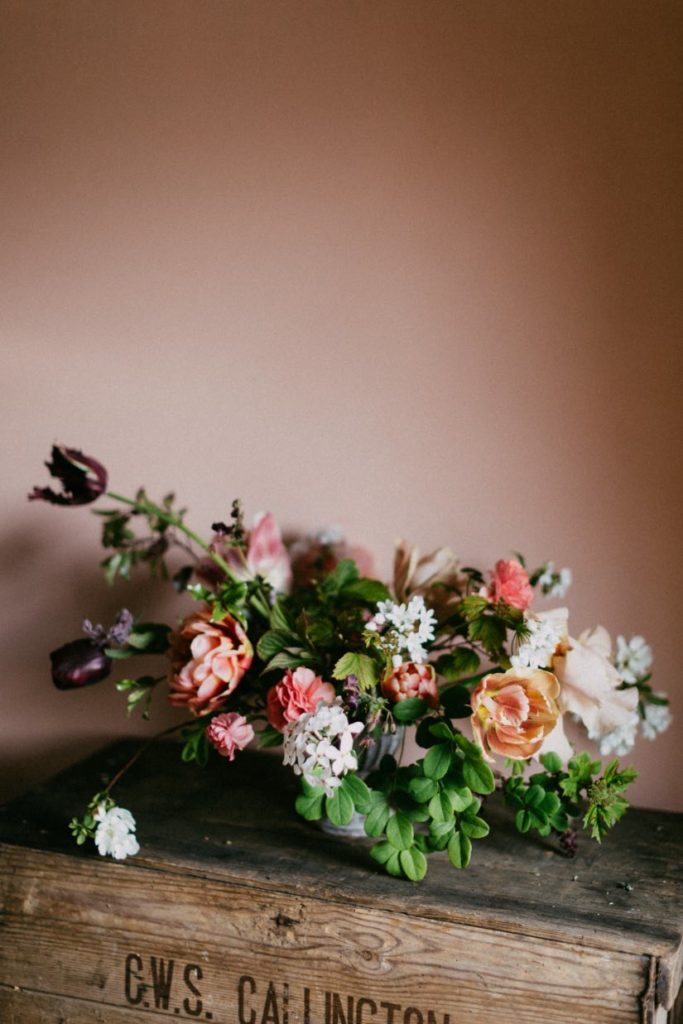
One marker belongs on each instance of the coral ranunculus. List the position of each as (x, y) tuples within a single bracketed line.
[(514, 711), (208, 660), (229, 733), (297, 692), (411, 680), (510, 583)]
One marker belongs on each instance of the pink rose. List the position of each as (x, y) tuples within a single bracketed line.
[(510, 583), (229, 733), (411, 680), (297, 692), (208, 660), (514, 711)]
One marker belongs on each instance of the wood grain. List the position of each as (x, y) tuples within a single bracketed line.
[(231, 881)]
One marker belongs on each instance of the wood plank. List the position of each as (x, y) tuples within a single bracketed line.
[(409, 970)]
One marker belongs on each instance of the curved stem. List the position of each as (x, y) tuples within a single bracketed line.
[(141, 750)]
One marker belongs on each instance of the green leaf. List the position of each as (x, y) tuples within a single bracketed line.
[(422, 789), (343, 573), (339, 807), (460, 797), (393, 865), (473, 605), (359, 665), (459, 850), (552, 762), (368, 591), (381, 852), (523, 821), (150, 637), (408, 710), (441, 807), (414, 864), (269, 737), (423, 733), (400, 831), (272, 642), (490, 632), (310, 805), (358, 791), (377, 817), (442, 731), (279, 620), (437, 761), (291, 658), (535, 795), (474, 827), (478, 776), (463, 661)]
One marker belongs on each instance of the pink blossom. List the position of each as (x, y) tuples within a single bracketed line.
[(267, 556), (411, 680), (297, 692), (510, 583), (208, 660), (229, 733), (514, 711)]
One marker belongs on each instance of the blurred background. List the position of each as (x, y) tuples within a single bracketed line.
[(407, 267)]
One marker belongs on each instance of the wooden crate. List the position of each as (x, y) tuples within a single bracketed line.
[(238, 912)]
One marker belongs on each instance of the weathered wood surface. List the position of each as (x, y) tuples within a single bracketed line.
[(230, 884)]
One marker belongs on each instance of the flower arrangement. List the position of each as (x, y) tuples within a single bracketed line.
[(297, 645)]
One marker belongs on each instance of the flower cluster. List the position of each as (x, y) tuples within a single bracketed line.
[(295, 644)]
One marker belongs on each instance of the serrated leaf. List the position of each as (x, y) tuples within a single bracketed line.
[(339, 807), (463, 661), (437, 761), (490, 632), (400, 831), (358, 791), (414, 864), (478, 776), (459, 849), (422, 789), (359, 665), (407, 711), (473, 605)]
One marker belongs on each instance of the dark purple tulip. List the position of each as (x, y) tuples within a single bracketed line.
[(79, 663), (83, 479)]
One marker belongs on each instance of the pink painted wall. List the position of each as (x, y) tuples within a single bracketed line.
[(408, 267)]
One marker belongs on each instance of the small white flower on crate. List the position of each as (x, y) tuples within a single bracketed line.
[(115, 833)]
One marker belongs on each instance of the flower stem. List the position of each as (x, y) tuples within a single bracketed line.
[(141, 750)]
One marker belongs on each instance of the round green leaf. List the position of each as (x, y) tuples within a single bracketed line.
[(474, 827), (478, 775), (441, 807), (522, 821), (414, 864), (393, 865), (437, 761), (310, 806), (381, 852), (422, 789), (460, 796), (459, 850), (358, 791), (409, 710), (339, 807), (378, 815), (400, 831)]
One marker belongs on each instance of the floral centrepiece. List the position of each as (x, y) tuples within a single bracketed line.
[(294, 644)]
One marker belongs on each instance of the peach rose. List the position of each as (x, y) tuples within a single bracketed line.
[(513, 712), (229, 733), (510, 583), (411, 680), (297, 692), (208, 660)]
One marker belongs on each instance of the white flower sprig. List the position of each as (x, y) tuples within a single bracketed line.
[(403, 627), (555, 583), (115, 832), (538, 647), (634, 659), (319, 745)]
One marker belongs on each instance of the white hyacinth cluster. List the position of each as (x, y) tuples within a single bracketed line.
[(319, 745), (115, 833), (634, 658), (657, 719), (404, 628), (553, 582), (538, 647)]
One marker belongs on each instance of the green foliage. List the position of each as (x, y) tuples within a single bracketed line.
[(455, 702), (409, 710), (196, 746), (463, 661), (361, 666), (84, 828), (139, 693), (605, 803), (581, 770)]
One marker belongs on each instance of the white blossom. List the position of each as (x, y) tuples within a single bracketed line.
[(618, 741), (319, 745), (554, 583), (634, 658), (537, 649), (115, 833), (657, 719), (404, 628)]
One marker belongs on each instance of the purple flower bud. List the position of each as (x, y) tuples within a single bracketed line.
[(79, 663), (83, 479)]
